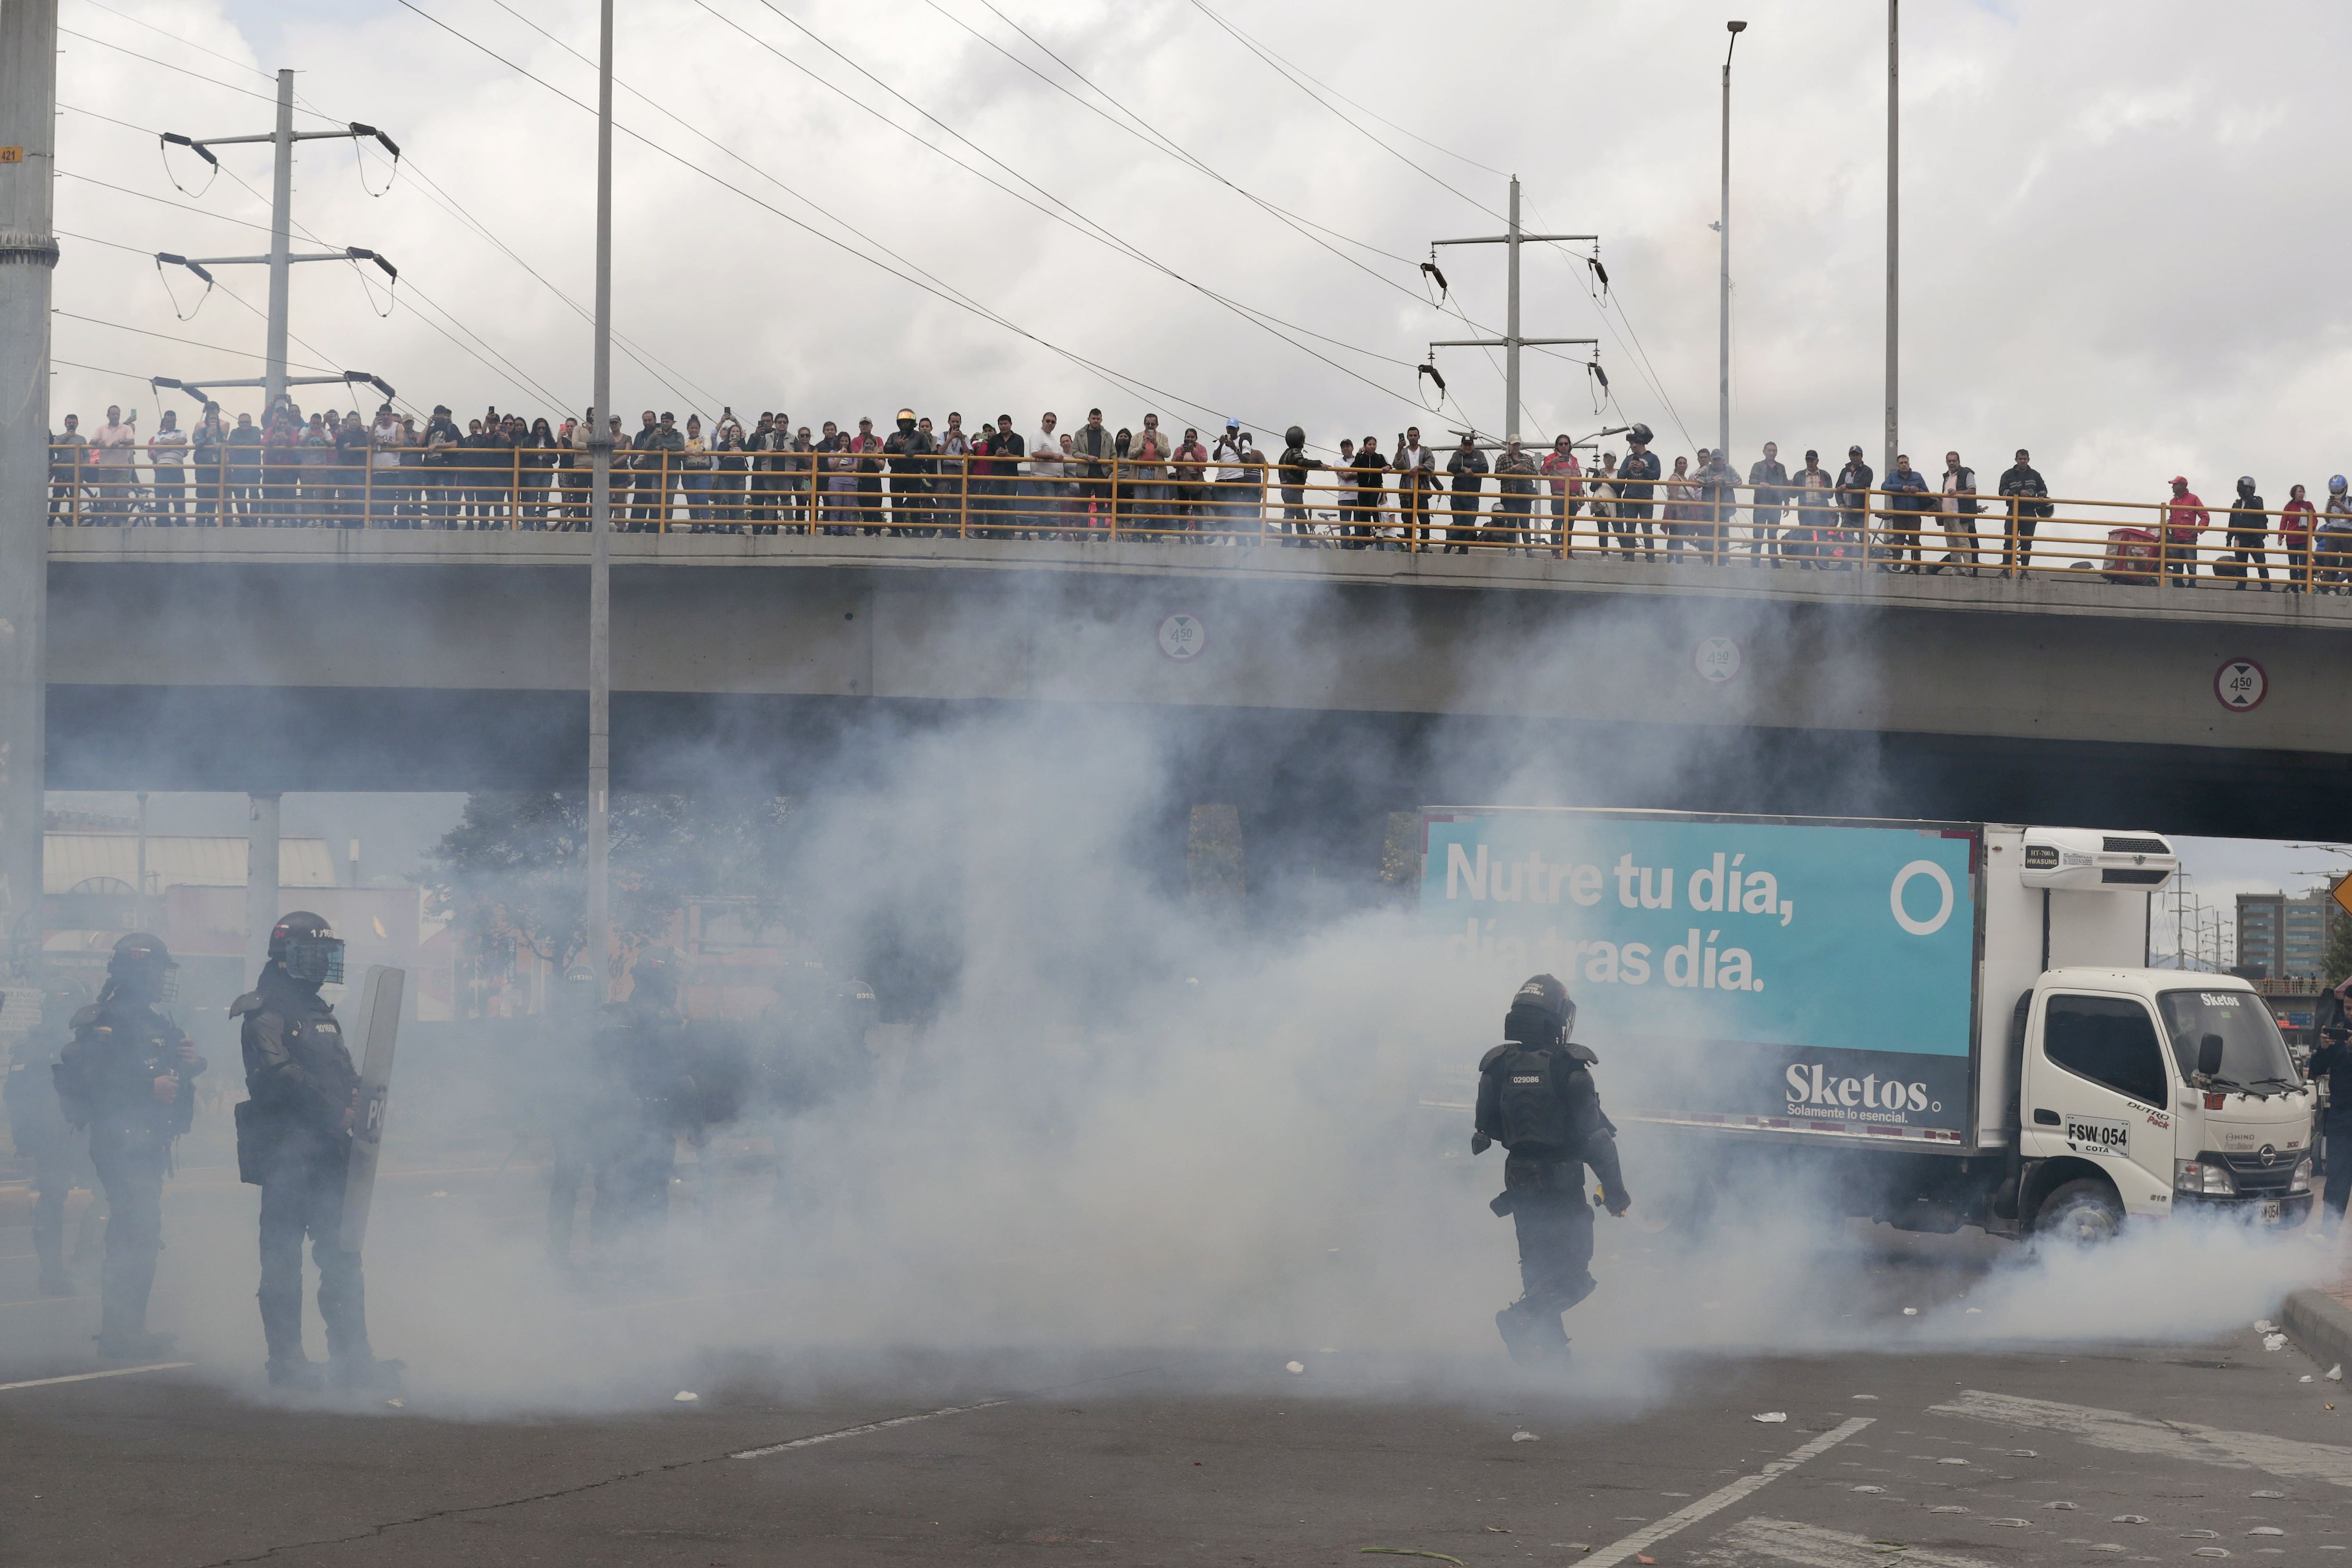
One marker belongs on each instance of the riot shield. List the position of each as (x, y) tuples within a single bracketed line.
[(379, 1031)]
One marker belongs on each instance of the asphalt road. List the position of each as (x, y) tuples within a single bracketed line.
[(2146, 1453)]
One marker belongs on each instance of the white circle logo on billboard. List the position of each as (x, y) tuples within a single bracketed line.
[(1716, 658), (2240, 685), (1182, 638), (1903, 916)]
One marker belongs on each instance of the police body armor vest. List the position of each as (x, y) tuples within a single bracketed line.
[(1538, 1120)]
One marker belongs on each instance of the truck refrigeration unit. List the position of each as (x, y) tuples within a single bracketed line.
[(1947, 1023)]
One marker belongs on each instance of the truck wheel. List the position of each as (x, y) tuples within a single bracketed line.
[(2085, 1211)]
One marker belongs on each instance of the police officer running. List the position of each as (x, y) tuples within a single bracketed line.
[(129, 1076), (1537, 1098), (294, 1141)]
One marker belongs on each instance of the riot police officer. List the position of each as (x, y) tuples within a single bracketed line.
[(1537, 1098), (39, 1128), (294, 1140), (646, 1096), (129, 1075)]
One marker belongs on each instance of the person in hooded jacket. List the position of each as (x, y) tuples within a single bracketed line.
[(1537, 1098), (129, 1076), (294, 1141)]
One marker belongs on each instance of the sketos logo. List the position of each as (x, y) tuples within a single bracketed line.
[(1814, 1086)]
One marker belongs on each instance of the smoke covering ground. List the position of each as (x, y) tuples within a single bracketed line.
[(1142, 1125)]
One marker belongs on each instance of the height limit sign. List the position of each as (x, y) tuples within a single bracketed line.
[(2240, 685)]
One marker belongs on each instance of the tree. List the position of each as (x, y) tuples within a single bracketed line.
[(515, 869), (2336, 964)]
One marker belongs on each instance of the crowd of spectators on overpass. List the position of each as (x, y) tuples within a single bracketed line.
[(340, 468)]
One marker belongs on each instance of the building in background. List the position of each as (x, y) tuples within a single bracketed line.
[(2283, 938)]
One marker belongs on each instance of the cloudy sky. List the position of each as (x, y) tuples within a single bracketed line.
[(2119, 237), (2116, 238)]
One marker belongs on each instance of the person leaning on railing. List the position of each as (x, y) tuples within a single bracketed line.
[(167, 451), (314, 446), (1907, 498), (2185, 518), (2029, 502), (2331, 542), (116, 448), (67, 452), (1854, 482), (1515, 478)]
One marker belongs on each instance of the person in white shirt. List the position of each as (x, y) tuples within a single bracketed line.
[(167, 450), (115, 449), (1044, 485), (1230, 456)]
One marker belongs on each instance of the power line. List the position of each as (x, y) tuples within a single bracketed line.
[(1283, 69), (173, 337), (186, 43), (1086, 226), (912, 273), (150, 60)]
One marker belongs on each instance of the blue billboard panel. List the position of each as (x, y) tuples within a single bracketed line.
[(1737, 968)]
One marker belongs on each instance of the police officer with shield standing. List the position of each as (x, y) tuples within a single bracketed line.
[(129, 1076), (294, 1140), (1537, 1098)]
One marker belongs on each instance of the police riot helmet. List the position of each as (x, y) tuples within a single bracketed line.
[(2245, 484), (1640, 436), (1546, 998), (142, 969), (655, 975), (1296, 436), (308, 949)]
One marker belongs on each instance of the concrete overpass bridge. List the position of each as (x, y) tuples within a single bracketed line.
[(1311, 685)]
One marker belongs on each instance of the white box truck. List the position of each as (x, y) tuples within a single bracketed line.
[(1947, 1023)]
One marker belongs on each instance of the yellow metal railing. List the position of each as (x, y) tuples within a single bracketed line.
[(866, 492)]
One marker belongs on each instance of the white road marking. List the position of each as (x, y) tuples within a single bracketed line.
[(1809, 1546), (86, 1376), (2130, 1434), (811, 1441), (1722, 1497)]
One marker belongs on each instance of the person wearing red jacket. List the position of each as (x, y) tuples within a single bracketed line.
[(2295, 535), (2185, 518)]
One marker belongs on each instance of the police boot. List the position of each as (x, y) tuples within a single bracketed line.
[(1532, 1334), (298, 1372)]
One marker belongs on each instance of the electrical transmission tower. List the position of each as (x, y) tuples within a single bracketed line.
[(273, 381), (1510, 343)]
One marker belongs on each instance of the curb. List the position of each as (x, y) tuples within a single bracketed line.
[(2319, 1324)]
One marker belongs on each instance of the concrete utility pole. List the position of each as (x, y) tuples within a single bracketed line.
[(273, 381), (1893, 229), (600, 571), (1723, 297), (1510, 343), (261, 879), (29, 253)]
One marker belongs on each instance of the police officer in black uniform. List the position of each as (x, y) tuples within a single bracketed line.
[(294, 1141), (648, 1096), (39, 1128), (129, 1076), (1537, 1098)]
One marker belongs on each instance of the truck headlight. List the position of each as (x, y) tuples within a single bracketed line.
[(2301, 1181), (2206, 1178)]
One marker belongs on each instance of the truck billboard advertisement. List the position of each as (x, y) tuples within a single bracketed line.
[(1814, 977)]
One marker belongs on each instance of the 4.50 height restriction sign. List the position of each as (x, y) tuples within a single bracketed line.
[(2241, 684)]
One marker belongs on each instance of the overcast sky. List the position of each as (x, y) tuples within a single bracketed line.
[(2120, 241)]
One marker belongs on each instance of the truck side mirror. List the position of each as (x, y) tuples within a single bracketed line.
[(2208, 1056)]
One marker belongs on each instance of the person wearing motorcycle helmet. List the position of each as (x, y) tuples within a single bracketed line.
[(129, 1076), (2331, 549), (2250, 527), (294, 1141), (1537, 1098), (1290, 473)]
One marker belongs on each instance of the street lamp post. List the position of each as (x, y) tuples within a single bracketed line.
[(1723, 301)]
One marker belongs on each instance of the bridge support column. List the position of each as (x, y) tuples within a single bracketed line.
[(261, 910), (28, 252)]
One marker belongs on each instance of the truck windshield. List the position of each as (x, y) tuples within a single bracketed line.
[(2252, 1055)]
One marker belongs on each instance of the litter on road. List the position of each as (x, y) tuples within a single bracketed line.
[(1525, 1437), (1771, 1417)]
